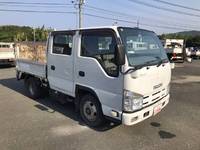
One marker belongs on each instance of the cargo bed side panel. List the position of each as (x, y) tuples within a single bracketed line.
[(31, 67)]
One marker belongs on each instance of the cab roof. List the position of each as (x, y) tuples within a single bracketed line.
[(101, 27)]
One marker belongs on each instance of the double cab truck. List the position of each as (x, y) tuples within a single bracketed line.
[(118, 73), (7, 53)]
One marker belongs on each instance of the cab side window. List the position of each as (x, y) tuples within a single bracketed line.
[(101, 46), (62, 44)]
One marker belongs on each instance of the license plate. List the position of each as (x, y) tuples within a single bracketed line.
[(157, 109)]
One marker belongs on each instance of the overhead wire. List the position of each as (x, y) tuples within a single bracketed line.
[(177, 5), (35, 6), (136, 17), (52, 5), (113, 13), (37, 11), (33, 3), (164, 9), (134, 22), (96, 16)]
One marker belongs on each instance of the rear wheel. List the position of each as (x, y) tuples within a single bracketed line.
[(90, 110), (34, 87)]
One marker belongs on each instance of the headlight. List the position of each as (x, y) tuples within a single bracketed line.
[(132, 101)]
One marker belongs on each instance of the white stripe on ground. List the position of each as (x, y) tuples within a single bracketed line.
[(186, 79), (68, 130)]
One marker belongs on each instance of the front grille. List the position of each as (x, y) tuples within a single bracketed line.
[(151, 98), (156, 93)]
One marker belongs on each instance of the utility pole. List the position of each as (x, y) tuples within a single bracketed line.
[(34, 45), (34, 35), (138, 22), (80, 4)]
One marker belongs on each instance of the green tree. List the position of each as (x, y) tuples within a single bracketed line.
[(12, 33)]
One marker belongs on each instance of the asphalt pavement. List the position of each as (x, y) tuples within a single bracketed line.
[(46, 124)]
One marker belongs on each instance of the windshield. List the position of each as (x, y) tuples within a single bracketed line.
[(141, 46)]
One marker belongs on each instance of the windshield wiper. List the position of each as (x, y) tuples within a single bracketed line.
[(130, 70), (148, 63), (133, 69), (161, 61), (137, 67)]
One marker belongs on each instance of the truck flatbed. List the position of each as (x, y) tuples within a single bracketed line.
[(32, 67)]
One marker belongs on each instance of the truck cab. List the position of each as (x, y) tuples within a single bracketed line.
[(120, 73)]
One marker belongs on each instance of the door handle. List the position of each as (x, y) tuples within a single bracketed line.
[(53, 67), (81, 73)]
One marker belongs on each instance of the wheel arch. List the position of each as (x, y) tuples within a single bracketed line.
[(22, 75), (81, 90)]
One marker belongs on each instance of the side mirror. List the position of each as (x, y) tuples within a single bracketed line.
[(119, 55)]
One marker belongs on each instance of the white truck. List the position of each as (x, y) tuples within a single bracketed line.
[(194, 52), (174, 49), (198, 53), (119, 73), (7, 53)]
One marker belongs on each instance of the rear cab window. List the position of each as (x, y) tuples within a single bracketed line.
[(62, 43)]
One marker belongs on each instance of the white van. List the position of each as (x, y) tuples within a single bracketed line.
[(120, 73)]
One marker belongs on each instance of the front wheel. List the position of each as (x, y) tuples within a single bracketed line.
[(90, 110)]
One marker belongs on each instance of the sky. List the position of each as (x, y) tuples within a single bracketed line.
[(147, 17)]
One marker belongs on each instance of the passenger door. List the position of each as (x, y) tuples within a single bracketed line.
[(96, 60), (60, 62)]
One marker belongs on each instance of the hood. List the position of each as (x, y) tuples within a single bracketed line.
[(148, 79)]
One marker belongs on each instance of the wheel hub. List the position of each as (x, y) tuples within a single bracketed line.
[(90, 111)]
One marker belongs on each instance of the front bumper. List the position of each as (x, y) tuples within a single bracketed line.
[(136, 117)]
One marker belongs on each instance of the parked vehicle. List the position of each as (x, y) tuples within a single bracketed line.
[(195, 52), (188, 52), (118, 73), (198, 53), (7, 53), (174, 49)]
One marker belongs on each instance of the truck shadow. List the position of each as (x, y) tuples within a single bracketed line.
[(51, 105), (6, 66)]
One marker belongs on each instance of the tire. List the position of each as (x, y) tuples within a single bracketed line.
[(34, 87), (91, 111)]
